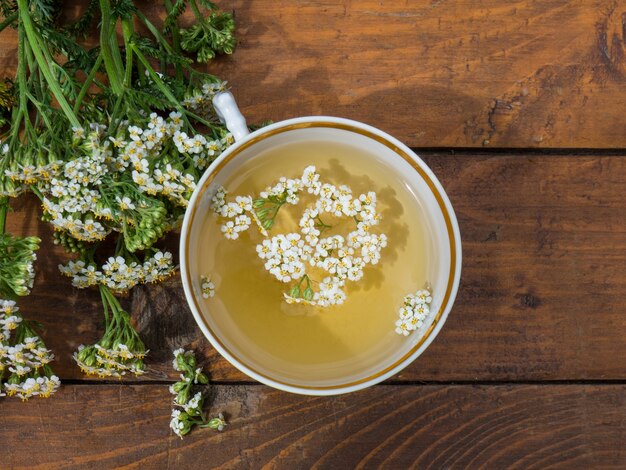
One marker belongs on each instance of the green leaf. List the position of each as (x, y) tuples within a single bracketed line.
[(214, 35), (170, 20), (44, 10), (83, 25), (123, 9)]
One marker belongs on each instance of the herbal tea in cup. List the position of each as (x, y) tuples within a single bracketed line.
[(317, 258)]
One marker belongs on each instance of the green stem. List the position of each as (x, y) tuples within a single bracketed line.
[(200, 120), (110, 49), (87, 83), (155, 32), (113, 302), (175, 41), (21, 72), (35, 45), (15, 124), (116, 310), (42, 112), (4, 208), (321, 224), (117, 108), (105, 306), (35, 85), (36, 191), (196, 11), (159, 83), (8, 20), (127, 29)]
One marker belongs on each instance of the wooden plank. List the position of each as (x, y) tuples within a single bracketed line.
[(531, 427), (541, 297), (466, 73)]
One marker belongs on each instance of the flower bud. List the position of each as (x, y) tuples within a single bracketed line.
[(183, 396), (178, 386), (217, 423), (308, 294), (181, 363)]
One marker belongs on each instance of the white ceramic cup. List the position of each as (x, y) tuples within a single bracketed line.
[(444, 238)]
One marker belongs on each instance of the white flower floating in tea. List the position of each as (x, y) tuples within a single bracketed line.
[(414, 311), (288, 257), (207, 287)]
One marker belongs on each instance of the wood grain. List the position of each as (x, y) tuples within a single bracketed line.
[(438, 73), (467, 73), (544, 243), (529, 427), (541, 296)]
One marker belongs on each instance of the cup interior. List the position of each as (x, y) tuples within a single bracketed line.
[(441, 239)]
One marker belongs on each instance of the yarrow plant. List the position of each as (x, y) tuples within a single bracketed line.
[(119, 351), (293, 258), (24, 358), (413, 312), (188, 403), (113, 161)]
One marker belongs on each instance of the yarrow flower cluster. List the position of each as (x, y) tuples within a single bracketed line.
[(290, 257), (201, 101), (118, 273), (17, 255), (27, 170), (24, 356), (140, 146), (111, 360), (187, 410), (119, 351), (207, 286), (413, 312), (119, 182)]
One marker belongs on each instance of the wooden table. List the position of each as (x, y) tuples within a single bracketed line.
[(519, 107)]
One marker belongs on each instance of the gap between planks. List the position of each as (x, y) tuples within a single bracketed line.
[(522, 152), (413, 383)]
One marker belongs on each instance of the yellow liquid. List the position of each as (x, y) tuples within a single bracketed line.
[(298, 343)]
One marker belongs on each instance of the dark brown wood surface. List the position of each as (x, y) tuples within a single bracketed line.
[(510, 426), (530, 368), (440, 73)]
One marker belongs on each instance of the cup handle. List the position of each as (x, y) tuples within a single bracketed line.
[(228, 112)]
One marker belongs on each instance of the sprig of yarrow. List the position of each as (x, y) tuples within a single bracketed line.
[(211, 34), (120, 350), (24, 356), (120, 274), (17, 255), (188, 405), (24, 359)]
